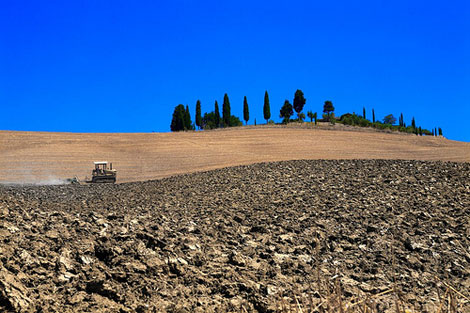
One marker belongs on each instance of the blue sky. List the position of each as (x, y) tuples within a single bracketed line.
[(122, 66)]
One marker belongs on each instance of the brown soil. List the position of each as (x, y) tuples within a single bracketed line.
[(242, 239), (46, 157)]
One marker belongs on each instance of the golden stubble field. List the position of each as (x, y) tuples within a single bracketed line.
[(41, 157)]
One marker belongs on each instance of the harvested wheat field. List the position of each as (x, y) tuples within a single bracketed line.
[(40, 157), (292, 236)]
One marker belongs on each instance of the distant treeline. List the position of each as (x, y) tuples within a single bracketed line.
[(182, 118)]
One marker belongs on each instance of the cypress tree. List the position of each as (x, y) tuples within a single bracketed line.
[(440, 131), (246, 111), (373, 116), (178, 120), (315, 117), (216, 115), (363, 112), (266, 108), (420, 131), (226, 111), (187, 119), (299, 102), (198, 114), (413, 122)]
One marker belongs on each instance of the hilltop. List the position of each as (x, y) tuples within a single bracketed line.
[(47, 156)]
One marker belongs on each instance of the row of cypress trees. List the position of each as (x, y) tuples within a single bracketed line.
[(181, 119), (388, 122)]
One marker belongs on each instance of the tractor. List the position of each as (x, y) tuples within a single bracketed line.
[(103, 174)]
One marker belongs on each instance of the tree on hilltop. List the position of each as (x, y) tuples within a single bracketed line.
[(373, 116), (299, 102), (328, 108), (188, 124), (216, 115), (246, 111), (178, 120), (364, 112), (286, 111), (226, 111), (266, 107), (401, 121), (198, 114), (390, 119), (310, 115)]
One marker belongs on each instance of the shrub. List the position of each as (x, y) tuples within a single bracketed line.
[(355, 120), (379, 125), (409, 129), (364, 123), (209, 121), (332, 119), (234, 121)]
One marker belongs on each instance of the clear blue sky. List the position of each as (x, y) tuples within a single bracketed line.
[(122, 66)]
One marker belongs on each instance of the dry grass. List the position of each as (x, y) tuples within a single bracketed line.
[(39, 156)]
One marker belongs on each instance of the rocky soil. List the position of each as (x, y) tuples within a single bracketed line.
[(241, 239)]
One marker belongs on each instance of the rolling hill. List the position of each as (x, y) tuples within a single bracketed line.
[(35, 157)]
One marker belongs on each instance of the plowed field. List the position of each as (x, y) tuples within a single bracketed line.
[(222, 232), (243, 239)]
